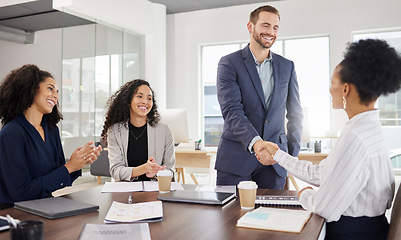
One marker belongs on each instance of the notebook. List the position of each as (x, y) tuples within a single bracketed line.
[(274, 200), (55, 207), (275, 219), (4, 225), (214, 198)]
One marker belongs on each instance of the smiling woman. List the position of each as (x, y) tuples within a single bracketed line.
[(138, 145), (32, 163)]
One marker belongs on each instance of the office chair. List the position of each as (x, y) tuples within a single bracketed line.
[(71, 143), (394, 232), (101, 167)]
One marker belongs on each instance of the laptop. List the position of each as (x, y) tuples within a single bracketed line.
[(55, 207), (213, 198)]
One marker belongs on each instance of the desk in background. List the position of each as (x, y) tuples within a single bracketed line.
[(315, 158), (180, 220), (193, 159), (206, 159)]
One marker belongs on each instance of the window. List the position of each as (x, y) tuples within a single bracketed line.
[(97, 60), (213, 121), (311, 58), (390, 105)]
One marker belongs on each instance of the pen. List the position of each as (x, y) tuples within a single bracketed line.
[(11, 221), (130, 199)]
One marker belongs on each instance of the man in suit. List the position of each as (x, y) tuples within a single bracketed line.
[(256, 90)]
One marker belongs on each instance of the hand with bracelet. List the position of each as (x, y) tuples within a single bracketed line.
[(82, 156)]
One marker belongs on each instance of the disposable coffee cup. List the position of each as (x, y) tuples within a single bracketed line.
[(27, 230), (247, 194), (164, 179)]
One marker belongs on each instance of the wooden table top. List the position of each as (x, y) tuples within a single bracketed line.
[(180, 220)]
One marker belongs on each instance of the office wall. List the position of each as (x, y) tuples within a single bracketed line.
[(186, 32), (140, 17), (45, 52)]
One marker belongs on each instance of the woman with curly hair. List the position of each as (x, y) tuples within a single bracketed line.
[(138, 145), (32, 163), (356, 180)]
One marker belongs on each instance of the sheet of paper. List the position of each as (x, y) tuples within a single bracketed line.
[(176, 186), (122, 187), (122, 212), (150, 186), (115, 231)]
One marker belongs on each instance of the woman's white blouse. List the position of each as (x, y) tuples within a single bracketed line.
[(356, 179)]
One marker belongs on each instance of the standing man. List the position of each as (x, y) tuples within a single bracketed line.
[(256, 89)]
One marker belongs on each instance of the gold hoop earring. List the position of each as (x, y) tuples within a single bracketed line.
[(344, 103)]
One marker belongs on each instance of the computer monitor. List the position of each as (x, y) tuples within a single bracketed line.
[(176, 119)]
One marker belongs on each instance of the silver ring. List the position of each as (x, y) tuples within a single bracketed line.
[(84, 157)]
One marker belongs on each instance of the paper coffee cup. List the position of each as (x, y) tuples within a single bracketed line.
[(247, 194), (164, 179)]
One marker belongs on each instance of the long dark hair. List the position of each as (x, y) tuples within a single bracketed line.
[(119, 104), (18, 90)]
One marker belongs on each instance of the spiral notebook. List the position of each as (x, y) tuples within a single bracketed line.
[(274, 200)]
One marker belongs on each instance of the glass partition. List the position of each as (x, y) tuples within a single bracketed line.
[(97, 60)]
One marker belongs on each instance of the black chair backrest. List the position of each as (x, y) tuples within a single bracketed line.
[(394, 232), (101, 166)]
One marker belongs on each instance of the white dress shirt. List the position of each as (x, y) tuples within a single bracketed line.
[(265, 72), (356, 179)]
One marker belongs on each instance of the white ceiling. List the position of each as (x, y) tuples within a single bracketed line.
[(32, 16), (179, 6)]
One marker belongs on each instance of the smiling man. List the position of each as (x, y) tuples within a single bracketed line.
[(256, 89)]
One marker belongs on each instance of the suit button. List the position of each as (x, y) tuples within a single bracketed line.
[(266, 122), (61, 184)]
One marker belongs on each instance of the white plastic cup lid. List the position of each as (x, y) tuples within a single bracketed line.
[(247, 185), (164, 173)]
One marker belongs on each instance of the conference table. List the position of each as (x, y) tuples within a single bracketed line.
[(180, 220)]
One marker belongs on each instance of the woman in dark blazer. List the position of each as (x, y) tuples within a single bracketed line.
[(138, 145), (32, 163)]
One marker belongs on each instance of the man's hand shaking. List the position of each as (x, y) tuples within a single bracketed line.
[(264, 152)]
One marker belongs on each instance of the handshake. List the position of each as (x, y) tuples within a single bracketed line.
[(265, 151)]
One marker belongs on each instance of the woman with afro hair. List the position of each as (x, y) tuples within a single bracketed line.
[(138, 144), (356, 180), (32, 163)]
